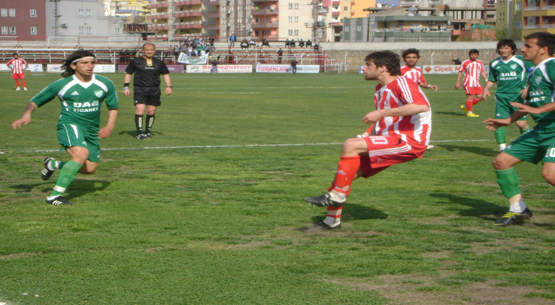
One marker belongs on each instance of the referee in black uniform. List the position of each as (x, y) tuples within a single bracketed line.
[(146, 87)]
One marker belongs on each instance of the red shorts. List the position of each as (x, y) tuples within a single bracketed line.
[(473, 90), (18, 76), (387, 151)]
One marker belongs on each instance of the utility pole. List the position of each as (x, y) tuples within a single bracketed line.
[(56, 17)]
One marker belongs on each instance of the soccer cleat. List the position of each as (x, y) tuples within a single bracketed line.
[(509, 218), (58, 200), (25, 88), (46, 173), (141, 136), (472, 115), (17, 89), (464, 109), (148, 135), (324, 201), (320, 226)]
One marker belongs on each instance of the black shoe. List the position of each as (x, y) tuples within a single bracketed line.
[(141, 136), (46, 173), (321, 226), (148, 135), (58, 200), (324, 201), (511, 217)]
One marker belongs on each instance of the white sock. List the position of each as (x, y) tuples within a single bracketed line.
[(337, 196), (332, 222), (518, 207), (502, 147)]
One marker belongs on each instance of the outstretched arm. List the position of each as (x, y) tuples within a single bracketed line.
[(26, 118)]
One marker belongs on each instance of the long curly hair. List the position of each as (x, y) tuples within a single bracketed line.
[(66, 67)]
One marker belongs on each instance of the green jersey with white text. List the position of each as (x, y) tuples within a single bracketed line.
[(81, 102), (542, 87), (509, 75)]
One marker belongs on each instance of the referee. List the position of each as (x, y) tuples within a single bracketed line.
[(146, 87)]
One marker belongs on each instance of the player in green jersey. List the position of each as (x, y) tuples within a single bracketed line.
[(539, 143), (82, 94), (509, 72)]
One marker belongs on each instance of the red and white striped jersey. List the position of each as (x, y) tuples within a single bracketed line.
[(472, 70), (17, 65), (414, 129), (413, 73)]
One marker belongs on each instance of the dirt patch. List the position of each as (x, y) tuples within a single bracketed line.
[(408, 289), (16, 255)]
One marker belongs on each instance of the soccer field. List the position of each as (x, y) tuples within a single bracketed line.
[(211, 209)]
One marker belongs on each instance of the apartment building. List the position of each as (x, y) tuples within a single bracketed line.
[(23, 19)]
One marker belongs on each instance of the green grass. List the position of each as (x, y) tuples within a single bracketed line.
[(210, 210)]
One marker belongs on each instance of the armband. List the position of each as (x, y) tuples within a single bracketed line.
[(429, 86), (169, 86), (126, 85)]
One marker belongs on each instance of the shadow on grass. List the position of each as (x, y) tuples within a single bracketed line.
[(355, 212), (486, 152), (478, 207), (451, 113), (77, 188), (133, 133)]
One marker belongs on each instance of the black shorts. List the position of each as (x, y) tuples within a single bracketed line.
[(147, 95)]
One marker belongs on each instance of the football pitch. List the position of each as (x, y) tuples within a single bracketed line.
[(211, 209)]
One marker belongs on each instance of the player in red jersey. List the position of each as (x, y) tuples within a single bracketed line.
[(472, 69), (399, 132), (409, 70), (18, 66)]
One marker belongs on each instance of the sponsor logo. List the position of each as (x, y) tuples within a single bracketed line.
[(99, 93), (499, 114), (513, 66), (75, 93)]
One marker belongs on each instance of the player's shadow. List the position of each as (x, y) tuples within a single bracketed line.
[(353, 211), (450, 113), (486, 152), (477, 207), (78, 188), (133, 133)]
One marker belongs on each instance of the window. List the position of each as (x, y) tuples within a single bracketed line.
[(290, 19), (290, 5), (4, 30), (296, 32), (33, 12), (296, 6), (81, 30), (345, 8), (89, 13), (33, 30), (4, 12), (519, 7), (12, 12), (89, 30), (359, 28), (296, 19), (518, 25), (346, 28), (118, 31), (80, 13), (12, 30), (290, 32)]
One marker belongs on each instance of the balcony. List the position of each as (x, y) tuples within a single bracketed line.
[(531, 27), (335, 2), (531, 8), (188, 25), (158, 27), (264, 12), (158, 5), (322, 11), (188, 14), (158, 16), (336, 13), (211, 14), (190, 2), (269, 25), (211, 2), (211, 26)]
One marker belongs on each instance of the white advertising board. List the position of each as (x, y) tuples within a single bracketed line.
[(104, 69), (308, 69), (284, 68), (56, 68), (221, 68), (30, 67), (441, 69)]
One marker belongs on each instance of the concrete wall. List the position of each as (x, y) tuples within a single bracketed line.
[(352, 54)]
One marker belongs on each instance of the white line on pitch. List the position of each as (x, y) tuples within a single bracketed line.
[(236, 146)]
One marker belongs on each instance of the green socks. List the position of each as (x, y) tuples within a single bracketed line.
[(508, 181), (69, 170), (500, 135)]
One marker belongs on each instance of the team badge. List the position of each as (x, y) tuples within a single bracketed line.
[(538, 80), (513, 66), (98, 93)]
